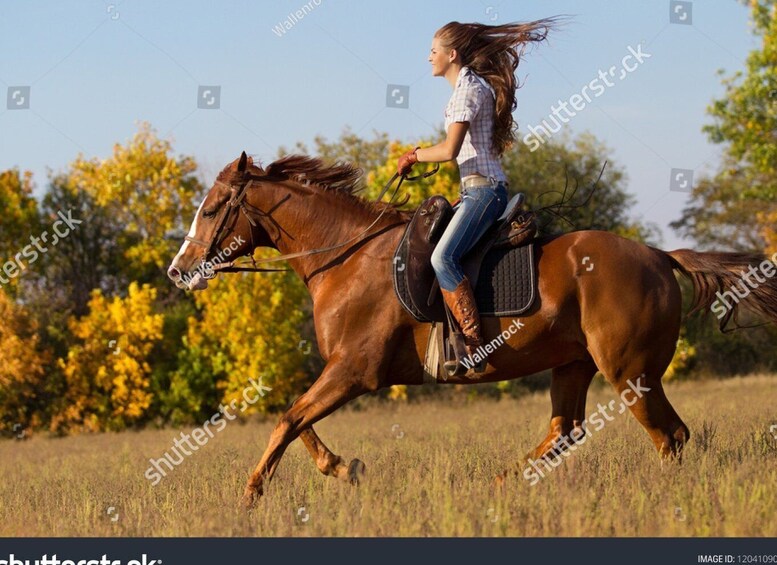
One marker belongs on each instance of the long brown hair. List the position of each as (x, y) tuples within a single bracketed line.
[(490, 51)]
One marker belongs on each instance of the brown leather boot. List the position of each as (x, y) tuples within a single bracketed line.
[(461, 303)]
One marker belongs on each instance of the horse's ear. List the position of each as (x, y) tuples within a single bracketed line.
[(241, 165)]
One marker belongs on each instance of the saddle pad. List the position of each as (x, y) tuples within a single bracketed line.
[(507, 285)]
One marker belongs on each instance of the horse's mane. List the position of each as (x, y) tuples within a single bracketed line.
[(340, 178)]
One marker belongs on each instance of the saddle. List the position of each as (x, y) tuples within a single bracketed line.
[(415, 280), (500, 268)]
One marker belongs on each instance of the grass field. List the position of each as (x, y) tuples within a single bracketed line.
[(430, 470)]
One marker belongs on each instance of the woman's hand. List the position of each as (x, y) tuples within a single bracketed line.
[(448, 149), (406, 162)]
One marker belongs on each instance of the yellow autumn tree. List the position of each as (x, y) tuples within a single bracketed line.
[(20, 220), (22, 364), (250, 326), (769, 231), (107, 372), (148, 192), (445, 181), (683, 360)]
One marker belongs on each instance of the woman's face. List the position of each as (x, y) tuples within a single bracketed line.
[(440, 57)]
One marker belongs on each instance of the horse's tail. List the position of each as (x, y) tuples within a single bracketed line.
[(722, 280)]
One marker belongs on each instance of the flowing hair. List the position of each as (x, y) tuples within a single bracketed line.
[(491, 52)]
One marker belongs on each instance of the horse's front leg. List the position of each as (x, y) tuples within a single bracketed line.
[(329, 463), (338, 384)]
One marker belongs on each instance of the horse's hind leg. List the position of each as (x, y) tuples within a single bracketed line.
[(568, 389), (652, 409), (638, 382), (329, 463)]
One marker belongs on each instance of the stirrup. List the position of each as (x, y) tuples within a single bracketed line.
[(455, 353), (479, 367), (456, 350)]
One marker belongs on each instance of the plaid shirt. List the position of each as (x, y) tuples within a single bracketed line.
[(473, 101)]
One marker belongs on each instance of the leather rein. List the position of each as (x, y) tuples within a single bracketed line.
[(237, 203)]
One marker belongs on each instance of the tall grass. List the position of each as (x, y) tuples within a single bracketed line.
[(430, 471)]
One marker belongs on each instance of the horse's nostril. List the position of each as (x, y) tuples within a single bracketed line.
[(173, 273)]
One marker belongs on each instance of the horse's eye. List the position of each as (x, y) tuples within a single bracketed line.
[(208, 213)]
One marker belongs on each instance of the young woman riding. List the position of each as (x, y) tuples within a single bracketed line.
[(479, 61)]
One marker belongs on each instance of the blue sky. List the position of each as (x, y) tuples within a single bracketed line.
[(96, 67)]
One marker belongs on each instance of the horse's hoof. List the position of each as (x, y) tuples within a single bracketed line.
[(499, 480), (356, 470), (251, 497)]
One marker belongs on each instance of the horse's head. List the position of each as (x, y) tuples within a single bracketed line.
[(221, 231)]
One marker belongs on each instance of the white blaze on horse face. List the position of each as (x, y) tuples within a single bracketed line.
[(192, 233)]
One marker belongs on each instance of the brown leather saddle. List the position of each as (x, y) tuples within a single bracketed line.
[(415, 282)]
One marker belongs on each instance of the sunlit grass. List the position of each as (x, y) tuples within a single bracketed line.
[(430, 471)]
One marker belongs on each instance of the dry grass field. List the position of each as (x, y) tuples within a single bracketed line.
[(430, 470)]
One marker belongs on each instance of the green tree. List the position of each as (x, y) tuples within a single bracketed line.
[(735, 208), (88, 258), (20, 221), (576, 165), (717, 217), (745, 120)]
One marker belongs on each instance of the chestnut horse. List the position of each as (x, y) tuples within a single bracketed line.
[(604, 303)]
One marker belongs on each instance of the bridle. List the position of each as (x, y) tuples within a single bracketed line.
[(237, 205)]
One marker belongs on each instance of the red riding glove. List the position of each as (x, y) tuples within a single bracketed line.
[(406, 162)]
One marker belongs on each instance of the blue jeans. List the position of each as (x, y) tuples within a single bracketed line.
[(479, 208)]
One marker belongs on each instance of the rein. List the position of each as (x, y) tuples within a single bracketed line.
[(237, 201)]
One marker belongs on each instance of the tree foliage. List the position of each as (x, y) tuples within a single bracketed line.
[(718, 218), (108, 343), (147, 191), (745, 121), (20, 219), (22, 367), (107, 371), (250, 326), (543, 175)]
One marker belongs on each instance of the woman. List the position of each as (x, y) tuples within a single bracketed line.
[(479, 62)]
